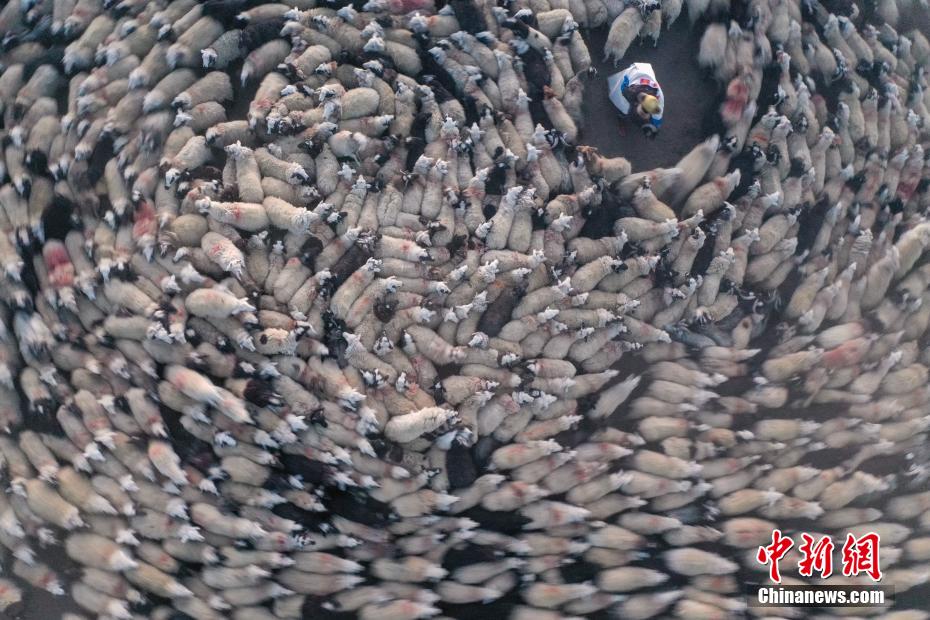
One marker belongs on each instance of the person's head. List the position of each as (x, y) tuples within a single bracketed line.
[(649, 103)]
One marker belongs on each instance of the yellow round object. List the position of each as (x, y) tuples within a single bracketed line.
[(650, 104)]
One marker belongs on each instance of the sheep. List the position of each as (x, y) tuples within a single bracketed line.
[(694, 165), (713, 46), (710, 196), (623, 31)]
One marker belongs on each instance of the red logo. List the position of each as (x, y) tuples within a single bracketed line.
[(774, 552), (817, 557), (860, 555)]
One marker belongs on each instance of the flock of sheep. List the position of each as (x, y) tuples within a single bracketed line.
[(314, 308)]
